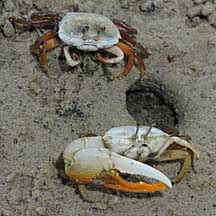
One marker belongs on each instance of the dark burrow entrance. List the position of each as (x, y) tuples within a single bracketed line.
[(151, 104)]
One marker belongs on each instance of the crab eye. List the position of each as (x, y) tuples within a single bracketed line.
[(103, 28), (84, 29), (144, 145), (100, 28)]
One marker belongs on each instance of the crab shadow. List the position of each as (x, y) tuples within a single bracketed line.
[(59, 165)]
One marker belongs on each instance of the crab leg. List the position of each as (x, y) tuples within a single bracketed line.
[(37, 20), (141, 66), (179, 142), (43, 20), (20, 23), (48, 45), (84, 193), (119, 51), (171, 155), (145, 52), (176, 153), (49, 35), (125, 26), (49, 42), (115, 51), (128, 51)]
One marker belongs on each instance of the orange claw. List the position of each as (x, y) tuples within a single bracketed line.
[(114, 181), (118, 183)]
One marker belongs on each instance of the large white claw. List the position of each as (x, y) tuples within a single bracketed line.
[(100, 159), (127, 165)]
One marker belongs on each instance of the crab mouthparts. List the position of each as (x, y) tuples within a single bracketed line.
[(88, 47)]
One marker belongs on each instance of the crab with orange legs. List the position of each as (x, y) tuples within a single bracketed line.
[(102, 160), (86, 32)]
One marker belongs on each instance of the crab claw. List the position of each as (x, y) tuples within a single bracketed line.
[(115, 51), (101, 166), (69, 59), (130, 166)]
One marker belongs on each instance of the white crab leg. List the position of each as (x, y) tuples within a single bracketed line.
[(69, 60), (97, 160), (115, 51), (186, 144)]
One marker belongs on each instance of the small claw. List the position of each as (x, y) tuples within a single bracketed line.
[(70, 60), (115, 51)]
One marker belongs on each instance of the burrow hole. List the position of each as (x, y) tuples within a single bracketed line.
[(151, 104)]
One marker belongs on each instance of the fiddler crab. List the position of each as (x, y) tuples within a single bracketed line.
[(86, 32), (102, 159)]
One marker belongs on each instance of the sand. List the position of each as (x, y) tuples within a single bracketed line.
[(40, 115)]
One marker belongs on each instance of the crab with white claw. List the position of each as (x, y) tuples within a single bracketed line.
[(87, 160), (148, 143), (87, 32)]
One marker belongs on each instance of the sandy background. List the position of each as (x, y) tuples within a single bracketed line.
[(39, 116)]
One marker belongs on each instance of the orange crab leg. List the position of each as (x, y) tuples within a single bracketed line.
[(116, 182), (20, 23), (125, 26), (128, 51), (48, 45), (37, 20), (142, 67), (145, 52), (49, 41), (132, 55), (49, 35), (41, 20)]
